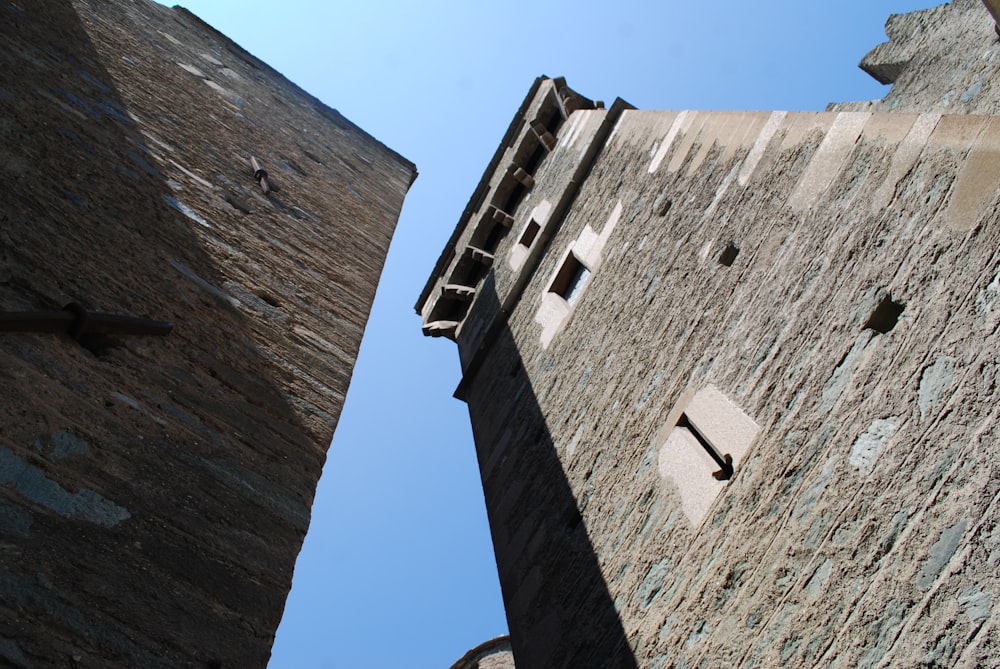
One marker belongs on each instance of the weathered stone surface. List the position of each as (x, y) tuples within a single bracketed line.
[(943, 59), (832, 276), (154, 492)]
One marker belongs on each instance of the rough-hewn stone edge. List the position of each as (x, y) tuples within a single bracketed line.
[(469, 660), (335, 116), (907, 35)]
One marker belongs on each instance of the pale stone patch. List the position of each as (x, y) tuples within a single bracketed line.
[(725, 130), (975, 186), (867, 447), (691, 133), (668, 140), (519, 252), (571, 131), (774, 122), (989, 296), (683, 460), (171, 38), (840, 377), (828, 161), (187, 211), (719, 192), (191, 175), (904, 157), (33, 483), (191, 69), (555, 312), (218, 89), (977, 604), (552, 315), (934, 383), (705, 250)]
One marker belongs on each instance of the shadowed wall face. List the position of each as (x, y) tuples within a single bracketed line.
[(558, 605), (154, 492)]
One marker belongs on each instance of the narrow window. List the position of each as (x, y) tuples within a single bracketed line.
[(570, 279), (530, 232)]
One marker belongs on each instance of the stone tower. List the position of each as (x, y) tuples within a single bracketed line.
[(733, 377), (155, 488)]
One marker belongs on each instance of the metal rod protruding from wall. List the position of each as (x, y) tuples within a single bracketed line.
[(724, 460), (77, 322), (260, 175)]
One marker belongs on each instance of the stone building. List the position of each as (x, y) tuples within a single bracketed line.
[(492, 654), (733, 377), (155, 488)]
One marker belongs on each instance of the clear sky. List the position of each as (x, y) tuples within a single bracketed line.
[(397, 568)]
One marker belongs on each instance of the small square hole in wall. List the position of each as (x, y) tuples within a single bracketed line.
[(662, 205), (728, 255), (529, 234), (885, 316), (570, 279)]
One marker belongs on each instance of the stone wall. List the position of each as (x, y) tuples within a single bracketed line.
[(945, 58), (814, 295), (155, 491)]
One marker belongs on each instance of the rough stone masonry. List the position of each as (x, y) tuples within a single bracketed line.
[(733, 377), (155, 490)]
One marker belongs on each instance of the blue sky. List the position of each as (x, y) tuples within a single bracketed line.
[(397, 568)]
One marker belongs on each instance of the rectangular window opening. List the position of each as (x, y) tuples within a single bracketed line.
[(568, 283), (530, 232)]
